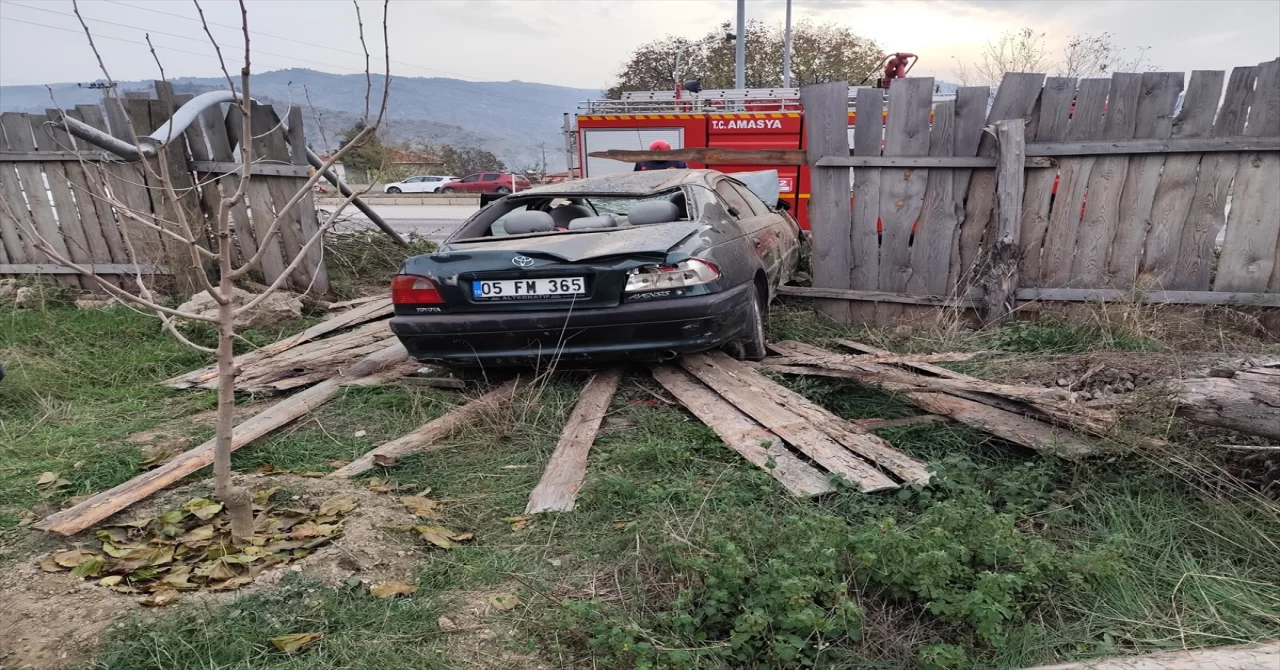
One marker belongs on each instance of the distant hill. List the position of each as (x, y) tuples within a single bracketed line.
[(509, 118)]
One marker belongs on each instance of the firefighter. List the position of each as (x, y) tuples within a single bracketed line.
[(660, 145)]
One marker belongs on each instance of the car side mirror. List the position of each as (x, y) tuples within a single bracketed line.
[(733, 211), (783, 205)]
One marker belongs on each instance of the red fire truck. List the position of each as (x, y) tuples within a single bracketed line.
[(729, 119)]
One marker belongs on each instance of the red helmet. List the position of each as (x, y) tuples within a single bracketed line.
[(659, 145)]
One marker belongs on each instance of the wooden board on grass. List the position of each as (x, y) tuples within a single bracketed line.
[(423, 438), (743, 435), (853, 437), (788, 425), (558, 489), (1010, 426)]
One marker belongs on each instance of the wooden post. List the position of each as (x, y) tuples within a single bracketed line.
[(1001, 282), (826, 118)]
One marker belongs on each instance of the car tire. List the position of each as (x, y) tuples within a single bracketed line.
[(502, 189), (753, 347), (393, 190), (448, 190)]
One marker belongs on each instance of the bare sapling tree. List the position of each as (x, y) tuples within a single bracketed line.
[(1026, 50), (210, 242)]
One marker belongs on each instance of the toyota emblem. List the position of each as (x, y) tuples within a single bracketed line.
[(522, 261)]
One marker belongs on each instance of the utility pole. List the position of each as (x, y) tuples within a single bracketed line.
[(740, 58), (786, 50)]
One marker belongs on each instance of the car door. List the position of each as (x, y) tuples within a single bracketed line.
[(412, 185), (767, 230), (470, 183), (432, 184), (489, 182)]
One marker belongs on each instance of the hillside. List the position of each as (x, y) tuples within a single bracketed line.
[(510, 118)]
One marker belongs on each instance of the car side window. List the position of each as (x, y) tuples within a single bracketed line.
[(470, 178), (731, 196), (413, 180), (490, 177), (757, 206)]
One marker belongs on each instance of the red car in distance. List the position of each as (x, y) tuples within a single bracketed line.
[(488, 182)]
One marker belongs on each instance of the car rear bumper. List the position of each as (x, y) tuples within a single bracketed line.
[(638, 332)]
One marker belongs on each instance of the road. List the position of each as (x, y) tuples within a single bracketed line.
[(434, 222)]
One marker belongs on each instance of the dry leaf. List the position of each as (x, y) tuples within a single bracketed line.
[(423, 507), (503, 601), (72, 557), (110, 581), (264, 496), (337, 505), (423, 493), (89, 568), (360, 433), (464, 537), (229, 584), (392, 589), (384, 460), (27, 519), (520, 522), (337, 465), (46, 479), (159, 598), (197, 534), (438, 535), (202, 508), (291, 644), (312, 474), (49, 565)]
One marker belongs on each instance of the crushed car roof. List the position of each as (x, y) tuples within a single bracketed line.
[(626, 183)]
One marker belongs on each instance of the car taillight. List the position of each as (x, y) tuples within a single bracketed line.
[(414, 290), (690, 272)]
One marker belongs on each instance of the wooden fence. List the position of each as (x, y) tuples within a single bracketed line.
[(1118, 193), (56, 185)]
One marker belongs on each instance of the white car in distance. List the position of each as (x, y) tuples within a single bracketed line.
[(423, 184)]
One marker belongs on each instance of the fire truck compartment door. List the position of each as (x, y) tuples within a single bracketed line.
[(632, 139)]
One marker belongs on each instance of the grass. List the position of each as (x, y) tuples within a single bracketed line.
[(677, 550)]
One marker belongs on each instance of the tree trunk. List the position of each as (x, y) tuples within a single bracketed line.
[(1250, 404), (237, 500)]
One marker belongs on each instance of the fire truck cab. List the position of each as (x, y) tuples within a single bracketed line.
[(770, 118)]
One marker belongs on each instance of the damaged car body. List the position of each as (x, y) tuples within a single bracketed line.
[(641, 266)]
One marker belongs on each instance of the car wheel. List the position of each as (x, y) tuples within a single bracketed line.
[(753, 347), (448, 190), (393, 190), (502, 189)]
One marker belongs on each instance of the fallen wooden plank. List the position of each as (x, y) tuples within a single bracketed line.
[(843, 361), (371, 311), (743, 435), (343, 304), (922, 367), (1010, 426), (423, 438), (878, 424), (791, 427), (1156, 146), (1257, 656), (435, 382), (1156, 297), (103, 505), (854, 438), (1248, 403), (557, 491), (876, 296)]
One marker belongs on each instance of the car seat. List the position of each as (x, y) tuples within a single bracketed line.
[(566, 213), (520, 223), (682, 205), (653, 211)]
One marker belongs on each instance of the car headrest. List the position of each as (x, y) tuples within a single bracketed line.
[(653, 211), (566, 213), (519, 223), (588, 222)]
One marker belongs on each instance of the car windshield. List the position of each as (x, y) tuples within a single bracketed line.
[(551, 215)]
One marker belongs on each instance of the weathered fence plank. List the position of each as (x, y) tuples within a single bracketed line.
[(1154, 121), (307, 207), (1055, 110), (258, 198), (1106, 180), (827, 112), (270, 145), (59, 184), (902, 191), (30, 180), (1073, 179), (864, 234), (971, 116), (1001, 278), (244, 243), (1015, 99), (931, 249), (1207, 213), (1249, 250), (87, 181)]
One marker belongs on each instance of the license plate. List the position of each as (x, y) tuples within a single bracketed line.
[(528, 289)]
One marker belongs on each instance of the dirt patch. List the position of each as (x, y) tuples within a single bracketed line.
[(50, 620), (476, 637)]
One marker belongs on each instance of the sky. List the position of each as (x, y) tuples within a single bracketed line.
[(581, 43)]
